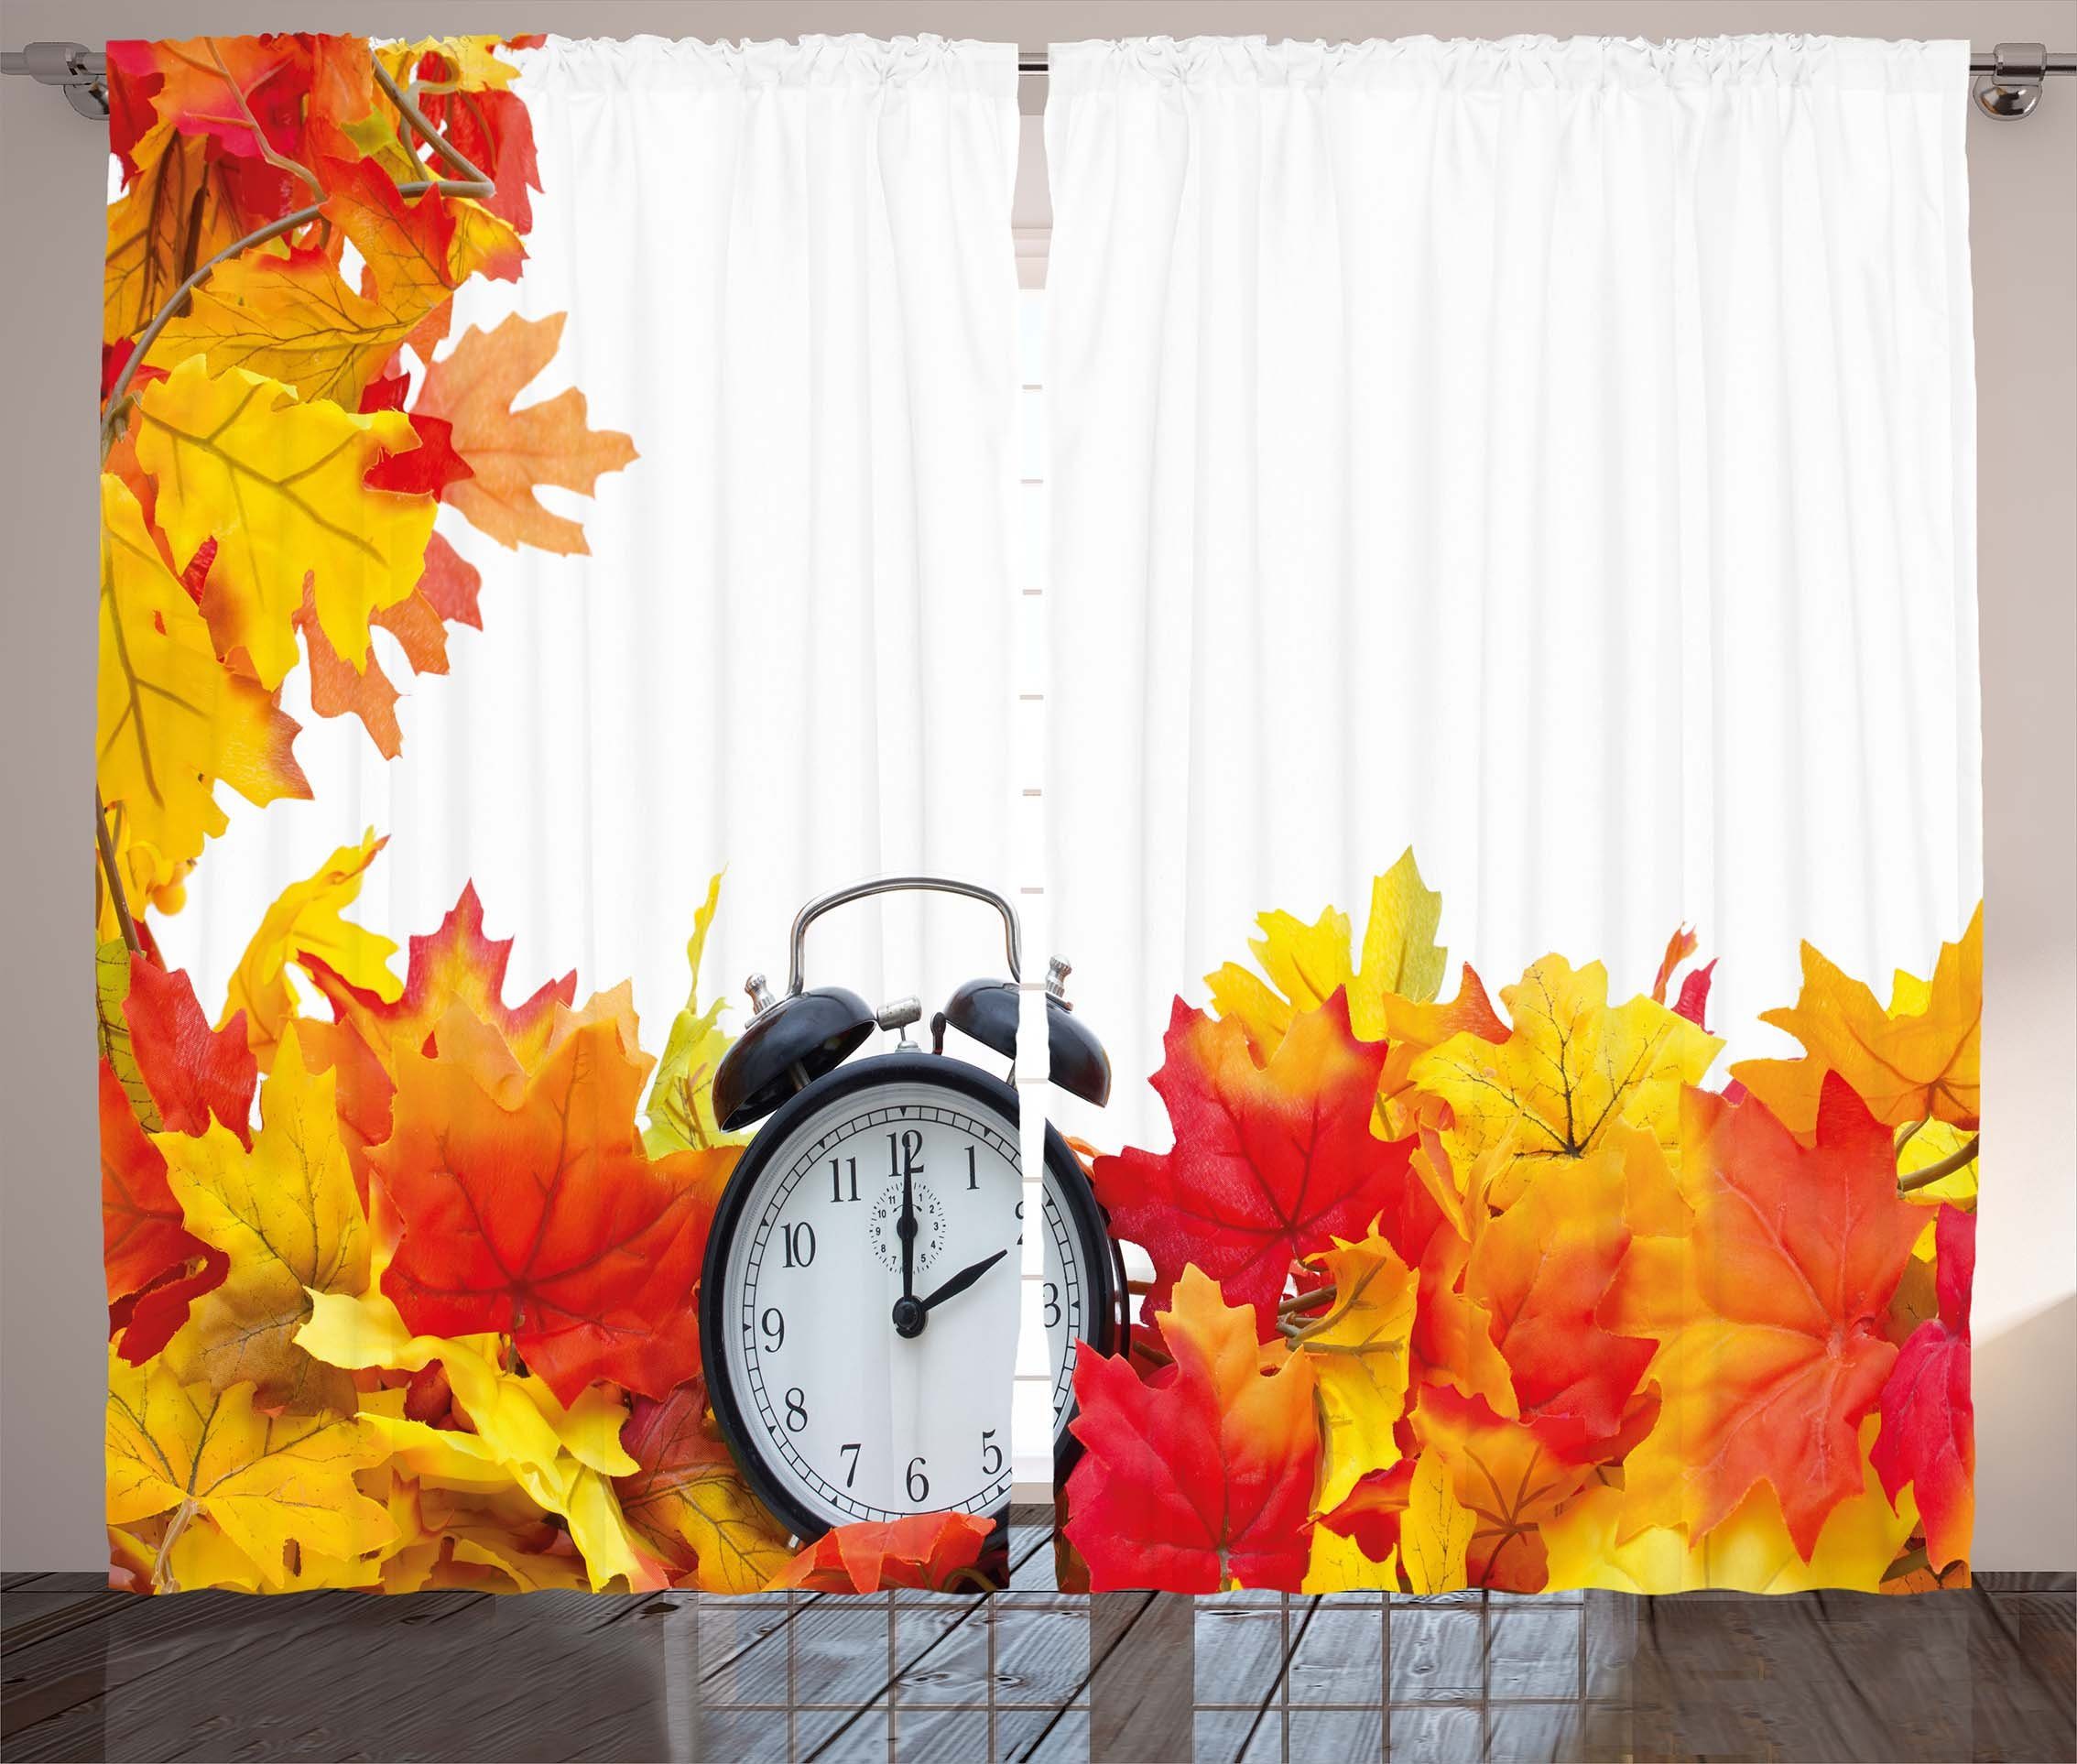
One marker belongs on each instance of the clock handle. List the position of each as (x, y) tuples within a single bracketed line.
[(823, 903)]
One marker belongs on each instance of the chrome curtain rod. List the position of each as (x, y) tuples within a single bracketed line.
[(2008, 78)]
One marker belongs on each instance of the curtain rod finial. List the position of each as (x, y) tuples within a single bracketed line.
[(79, 71)]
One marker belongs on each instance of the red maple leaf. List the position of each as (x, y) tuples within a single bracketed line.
[(493, 133), (194, 1072), (425, 470), (153, 1266), (1199, 1478), (546, 1222), (1271, 1163), (925, 1550), (1928, 1419)]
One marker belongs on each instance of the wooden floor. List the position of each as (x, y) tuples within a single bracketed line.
[(1990, 1673)]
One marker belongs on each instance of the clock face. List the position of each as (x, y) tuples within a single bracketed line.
[(844, 1416)]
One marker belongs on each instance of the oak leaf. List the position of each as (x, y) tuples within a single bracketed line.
[(514, 452), (1201, 1479), (1271, 1163), (1928, 1435), (278, 484), (545, 1220), (928, 1550), (287, 1216), (266, 1481), (1768, 1313), (1920, 1057), (1573, 1066), (688, 1500)]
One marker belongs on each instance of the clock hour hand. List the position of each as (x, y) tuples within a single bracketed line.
[(960, 1281)]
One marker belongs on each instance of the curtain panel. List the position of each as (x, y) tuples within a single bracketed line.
[(1518, 497), (559, 558), (626, 553)]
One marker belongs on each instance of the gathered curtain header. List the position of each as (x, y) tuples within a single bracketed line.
[(1512, 63), (661, 64)]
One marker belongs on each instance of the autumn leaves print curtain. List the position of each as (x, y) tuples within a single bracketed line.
[(550, 542), (1509, 781), (1557, 458)]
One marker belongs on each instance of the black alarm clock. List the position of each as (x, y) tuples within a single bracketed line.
[(860, 1299)]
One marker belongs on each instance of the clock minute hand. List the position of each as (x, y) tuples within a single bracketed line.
[(960, 1281), (905, 1227)]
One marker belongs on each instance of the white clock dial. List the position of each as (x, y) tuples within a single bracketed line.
[(848, 1418)]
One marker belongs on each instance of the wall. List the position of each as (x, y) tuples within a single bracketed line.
[(2024, 234)]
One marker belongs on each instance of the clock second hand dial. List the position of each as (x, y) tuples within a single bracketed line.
[(963, 1279)]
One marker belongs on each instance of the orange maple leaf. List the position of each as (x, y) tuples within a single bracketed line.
[(1201, 1479), (1506, 1475), (546, 1221), (1920, 1057), (924, 1550), (1271, 1163), (1768, 1313), (513, 451)]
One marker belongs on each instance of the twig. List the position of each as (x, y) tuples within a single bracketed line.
[(1152, 1353), (1908, 1135), (1319, 1295), (1960, 1158), (473, 183), (105, 844)]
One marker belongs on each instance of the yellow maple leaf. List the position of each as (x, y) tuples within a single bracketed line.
[(1436, 1532), (1306, 964), (1751, 1551), (278, 484), (515, 451), (1920, 1057), (681, 1107), (472, 60), (294, 320), (1358, 1350), (287, 1216), (1339, 1565), (267, 1481), (1572, 1068), (159, 695), (562, 1458), (305, 920)]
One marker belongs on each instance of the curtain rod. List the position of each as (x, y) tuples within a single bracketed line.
[(2008, 78)]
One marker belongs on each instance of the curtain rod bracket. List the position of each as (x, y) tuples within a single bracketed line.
[(80, 72), (2011, 86)]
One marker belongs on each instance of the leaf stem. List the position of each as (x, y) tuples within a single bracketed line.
[(106, 843), (1959, 1158), (162, 1579)]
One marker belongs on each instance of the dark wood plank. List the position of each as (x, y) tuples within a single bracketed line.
[(1143, 1672)]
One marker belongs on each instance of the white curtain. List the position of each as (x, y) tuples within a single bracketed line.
[(1556, 456), (789, 276)]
